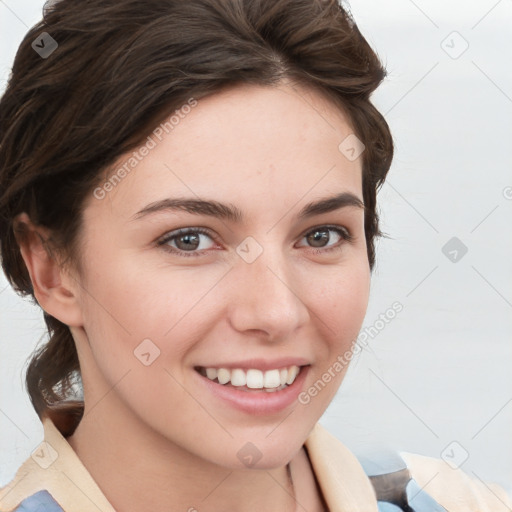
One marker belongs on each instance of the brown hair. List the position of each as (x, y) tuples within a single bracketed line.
[(119, 68)]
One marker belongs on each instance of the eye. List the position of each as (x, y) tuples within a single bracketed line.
[(319, 235), (187, 241)]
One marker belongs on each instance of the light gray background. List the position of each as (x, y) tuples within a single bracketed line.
[(440, 371)]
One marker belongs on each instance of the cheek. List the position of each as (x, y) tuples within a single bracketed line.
[(140, 325), (341, 302), (131, 303)]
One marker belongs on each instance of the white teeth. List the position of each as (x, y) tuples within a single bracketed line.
[(293, 371), (223, 375), (271, 380), (211, 373), (238, 378), (254, 379)]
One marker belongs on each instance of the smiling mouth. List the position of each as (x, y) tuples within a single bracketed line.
[(252, 379)]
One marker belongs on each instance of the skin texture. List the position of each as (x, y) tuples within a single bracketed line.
[(153, 437)]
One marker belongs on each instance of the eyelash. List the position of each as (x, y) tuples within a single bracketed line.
[(342, 231)]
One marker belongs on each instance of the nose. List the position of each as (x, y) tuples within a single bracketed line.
[(266, 297)]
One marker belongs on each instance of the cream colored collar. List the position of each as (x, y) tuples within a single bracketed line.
[(55, 466)]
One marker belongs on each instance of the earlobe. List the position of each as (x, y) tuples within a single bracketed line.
[(52, 286)]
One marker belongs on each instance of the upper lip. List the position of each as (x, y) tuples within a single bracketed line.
[(259, 364)]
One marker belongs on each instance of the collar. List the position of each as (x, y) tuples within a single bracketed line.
[(344, 484), (55, 467)]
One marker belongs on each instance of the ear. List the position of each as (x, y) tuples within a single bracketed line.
[(54, 289)]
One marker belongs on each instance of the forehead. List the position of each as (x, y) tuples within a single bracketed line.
[(247, 142)]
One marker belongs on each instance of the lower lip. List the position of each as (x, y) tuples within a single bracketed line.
[(257, 402)]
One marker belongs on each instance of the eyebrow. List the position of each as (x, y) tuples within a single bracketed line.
[(232, 213)]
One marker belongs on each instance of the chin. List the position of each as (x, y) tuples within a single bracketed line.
[(269, 448)]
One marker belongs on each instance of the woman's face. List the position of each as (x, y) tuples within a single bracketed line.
[(262, 291)]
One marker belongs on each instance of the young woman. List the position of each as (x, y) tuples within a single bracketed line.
[(188, 190)]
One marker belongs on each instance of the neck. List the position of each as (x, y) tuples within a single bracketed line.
[(137, 469)]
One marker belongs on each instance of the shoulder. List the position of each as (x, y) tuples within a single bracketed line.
[(53, 479), (28, 490), (405, 481), (454, 488), (399, 481), (37, 502)]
